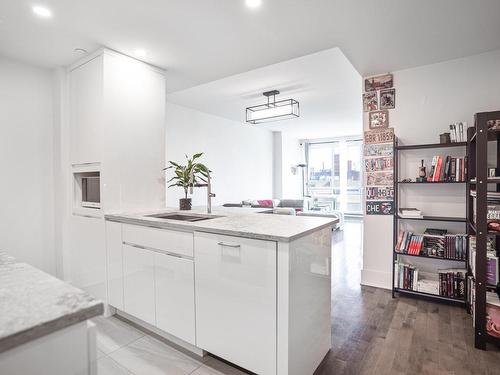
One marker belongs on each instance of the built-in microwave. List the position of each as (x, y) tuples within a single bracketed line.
[(91, 191)]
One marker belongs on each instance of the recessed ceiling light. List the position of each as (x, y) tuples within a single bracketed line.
[(140, 53), (42, 11), (253, 3)]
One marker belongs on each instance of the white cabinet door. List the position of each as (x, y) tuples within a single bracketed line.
[(139, 283), (174, 278), (235, 283), (86, 110), (114, 263), (86, 261)]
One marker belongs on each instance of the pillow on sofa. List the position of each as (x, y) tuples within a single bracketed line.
[(265, 203)]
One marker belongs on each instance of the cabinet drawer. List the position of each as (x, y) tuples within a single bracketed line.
[(161, 239)]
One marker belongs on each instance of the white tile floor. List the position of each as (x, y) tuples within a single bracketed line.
[(125, 350)]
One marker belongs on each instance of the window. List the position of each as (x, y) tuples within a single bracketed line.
[(334, 179)]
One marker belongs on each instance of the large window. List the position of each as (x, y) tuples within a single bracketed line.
[(334, 178)]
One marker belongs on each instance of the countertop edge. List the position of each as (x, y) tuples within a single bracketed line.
[(228, 232), (46, 328)]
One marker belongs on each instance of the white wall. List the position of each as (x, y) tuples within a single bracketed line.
[(428, 99), (26, 164), (239, 155), (292, 154)]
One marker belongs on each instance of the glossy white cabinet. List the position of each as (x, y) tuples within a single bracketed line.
[(139, 283), (174, 286), (236, 300), (86, 259), (114, 258), (86, 110)]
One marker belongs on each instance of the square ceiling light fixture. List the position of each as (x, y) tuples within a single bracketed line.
[(273, 110)]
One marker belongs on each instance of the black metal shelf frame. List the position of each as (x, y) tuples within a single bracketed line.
[(397, 218), (477, 145)]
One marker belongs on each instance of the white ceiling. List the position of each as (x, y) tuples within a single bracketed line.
[(326, 85), (199, 41)]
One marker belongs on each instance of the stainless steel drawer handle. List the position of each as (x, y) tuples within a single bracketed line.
[(229, 245)]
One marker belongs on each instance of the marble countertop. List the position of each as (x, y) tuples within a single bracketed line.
[(34, 304), (241, 222)]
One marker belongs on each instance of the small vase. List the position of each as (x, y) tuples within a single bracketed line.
[(185, 204)]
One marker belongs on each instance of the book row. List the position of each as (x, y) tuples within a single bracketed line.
[(447, 168), (492, 268), (429, 244), (452, 283)]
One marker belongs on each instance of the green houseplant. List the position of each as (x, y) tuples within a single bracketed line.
[(185, 176)]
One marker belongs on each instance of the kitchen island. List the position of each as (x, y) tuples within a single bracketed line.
[(251, 288), (44, 325)]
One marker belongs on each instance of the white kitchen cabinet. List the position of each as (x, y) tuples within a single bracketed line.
[(86, 260), (86, 109), (236, 300), (174, 281), (114, 259), (139, 283)]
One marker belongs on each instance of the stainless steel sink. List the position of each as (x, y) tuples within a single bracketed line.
[(183, 217)]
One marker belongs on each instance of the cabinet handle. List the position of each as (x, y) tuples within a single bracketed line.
[(228, 245)]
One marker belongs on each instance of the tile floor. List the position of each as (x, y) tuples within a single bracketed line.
[(125, 350)]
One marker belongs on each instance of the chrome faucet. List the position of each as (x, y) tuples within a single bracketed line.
[(210, 195)]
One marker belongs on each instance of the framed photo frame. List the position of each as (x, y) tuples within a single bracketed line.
[(388, 99), (370, 101), (379, 119), (384, 81)]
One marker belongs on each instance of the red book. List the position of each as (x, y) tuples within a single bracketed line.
[(400, 239), (437, 173)]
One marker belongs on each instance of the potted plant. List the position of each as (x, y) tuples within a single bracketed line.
[(187, 175)]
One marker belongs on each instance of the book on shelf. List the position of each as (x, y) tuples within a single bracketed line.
[(492, 211), (458, 132), (447, 169), (405, 276), (452, 282), (433, 243), (492, 269), (412, 213), (492, 314)]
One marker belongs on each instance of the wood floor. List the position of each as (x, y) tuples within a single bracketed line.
[(375, 334)]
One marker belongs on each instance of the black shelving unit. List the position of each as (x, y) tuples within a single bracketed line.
[(477, 146), (397, 219)]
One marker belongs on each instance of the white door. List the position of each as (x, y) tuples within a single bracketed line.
[(139, 283), (174, 278), (235, 284)]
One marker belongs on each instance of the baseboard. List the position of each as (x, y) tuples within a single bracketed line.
[(376, 278)]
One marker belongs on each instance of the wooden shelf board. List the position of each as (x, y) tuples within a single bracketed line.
[(430, 257), (431, 145), (429, 295), (436, 218), (431, 183)]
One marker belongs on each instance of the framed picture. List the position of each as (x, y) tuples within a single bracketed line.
[(370, 101), (379, 119), (379, 82), (388, 99)]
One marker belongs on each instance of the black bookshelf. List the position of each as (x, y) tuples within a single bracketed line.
[(477, 146), (397, 219)]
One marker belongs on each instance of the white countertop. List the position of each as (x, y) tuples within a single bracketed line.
[(240, 222), (34, 304)]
